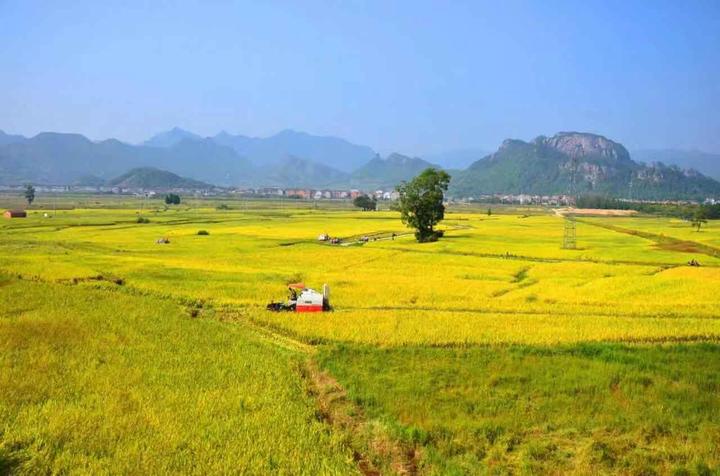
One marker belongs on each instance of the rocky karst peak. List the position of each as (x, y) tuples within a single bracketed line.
[(582, 144)]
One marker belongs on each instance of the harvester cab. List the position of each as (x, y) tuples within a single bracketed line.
[(303, 299)]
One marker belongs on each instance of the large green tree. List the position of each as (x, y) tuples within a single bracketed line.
[(421, 202)]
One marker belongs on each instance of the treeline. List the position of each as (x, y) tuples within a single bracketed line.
[(684, 211)]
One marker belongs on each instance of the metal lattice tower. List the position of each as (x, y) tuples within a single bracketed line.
[(570, 234), (570, 231)]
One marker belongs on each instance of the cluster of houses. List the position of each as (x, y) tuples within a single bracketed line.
[(523, 199), (316, 194), (148, 192), (299, 193)]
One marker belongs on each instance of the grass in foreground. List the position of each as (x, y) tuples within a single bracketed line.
[(589, 408), (98, 382)]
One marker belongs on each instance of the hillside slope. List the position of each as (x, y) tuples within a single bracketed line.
[(297, 172), (150, 177)]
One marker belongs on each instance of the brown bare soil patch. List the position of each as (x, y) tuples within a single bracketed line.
[(681, 246), (595, 211)]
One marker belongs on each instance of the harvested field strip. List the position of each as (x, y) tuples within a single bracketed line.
[(664, 242)]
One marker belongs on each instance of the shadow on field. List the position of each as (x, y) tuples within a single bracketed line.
[(9, 462)]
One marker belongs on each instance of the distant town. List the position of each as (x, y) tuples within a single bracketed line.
[(299, 193)]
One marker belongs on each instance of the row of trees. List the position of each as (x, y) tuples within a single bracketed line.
[(684, 211), (29, 194)]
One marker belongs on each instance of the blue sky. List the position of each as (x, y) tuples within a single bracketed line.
[(410, 76)]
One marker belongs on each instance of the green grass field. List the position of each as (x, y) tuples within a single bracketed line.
[(492, 351)]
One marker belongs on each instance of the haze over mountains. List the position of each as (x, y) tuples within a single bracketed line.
[(297, 159)]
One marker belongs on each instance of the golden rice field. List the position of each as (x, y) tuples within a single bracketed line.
[(502, 278), (499, 280)]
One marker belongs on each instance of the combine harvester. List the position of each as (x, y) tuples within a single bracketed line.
[(303, 299)]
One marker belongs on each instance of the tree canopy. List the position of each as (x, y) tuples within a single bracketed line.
[(421, 202), (29, 194), (172, 199), (365, 202)]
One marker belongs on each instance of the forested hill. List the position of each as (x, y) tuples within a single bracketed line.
[(545, 166)]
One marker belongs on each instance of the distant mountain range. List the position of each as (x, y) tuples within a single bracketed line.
[(286, 159), (298, 159), (331, 151), (54, 158)]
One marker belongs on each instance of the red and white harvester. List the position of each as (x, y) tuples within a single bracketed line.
[(303, 299)]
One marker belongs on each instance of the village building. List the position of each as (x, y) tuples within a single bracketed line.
[(15, 214)]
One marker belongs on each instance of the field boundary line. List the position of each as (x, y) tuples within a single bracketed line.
[(537, 259)]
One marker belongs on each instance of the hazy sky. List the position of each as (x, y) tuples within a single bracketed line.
[(410, 76)]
